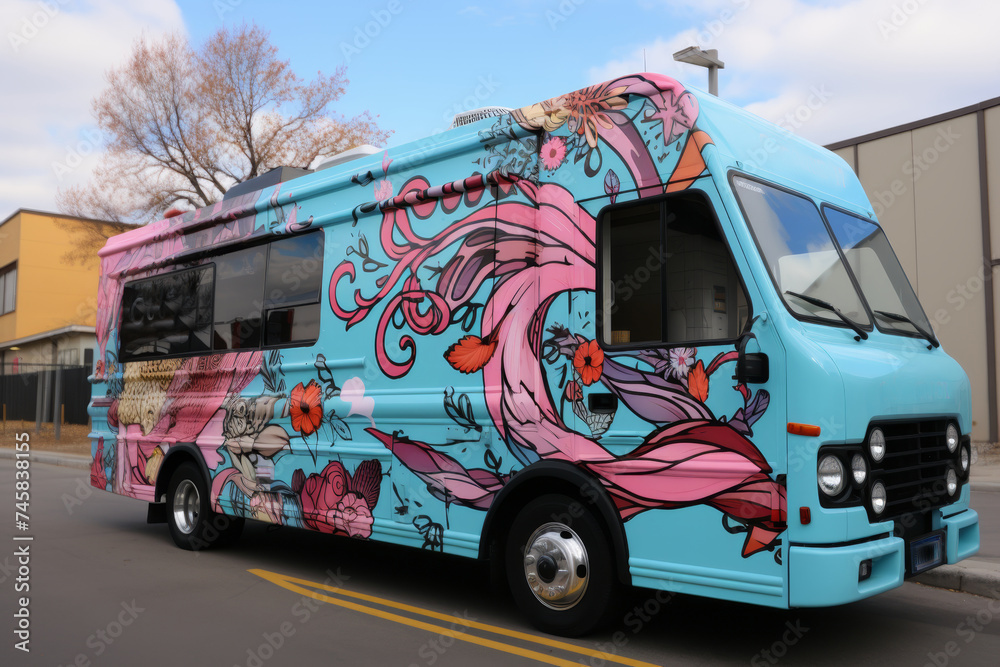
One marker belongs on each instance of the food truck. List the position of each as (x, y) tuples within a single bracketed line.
[(631, 335)]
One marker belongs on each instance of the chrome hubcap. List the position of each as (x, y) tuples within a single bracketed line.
[(187, 505), (556, 566)]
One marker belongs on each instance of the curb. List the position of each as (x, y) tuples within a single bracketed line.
[(984, 486), (78, 461), (977, 577)]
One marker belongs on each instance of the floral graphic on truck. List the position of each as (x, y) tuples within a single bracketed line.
[(533, 245)]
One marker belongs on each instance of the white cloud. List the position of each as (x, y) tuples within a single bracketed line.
[(53, 57), (883, 62)]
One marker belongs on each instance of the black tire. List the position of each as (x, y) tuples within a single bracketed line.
[(193, 524), (560, 531)]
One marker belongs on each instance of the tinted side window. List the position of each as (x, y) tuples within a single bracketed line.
[(168, 314), (239, 286), (292, 291), (632, 247)]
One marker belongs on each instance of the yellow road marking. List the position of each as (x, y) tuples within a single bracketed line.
[(297, 585)]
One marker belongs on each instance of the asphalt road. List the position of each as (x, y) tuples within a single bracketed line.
[(108, 589)]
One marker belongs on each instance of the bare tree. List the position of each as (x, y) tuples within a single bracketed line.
[(182, 126)]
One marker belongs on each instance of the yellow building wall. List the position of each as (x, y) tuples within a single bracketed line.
[(54, 287), (10, 242)]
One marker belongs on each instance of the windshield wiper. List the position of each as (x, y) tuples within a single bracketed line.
[(896, 317), (833, 309)]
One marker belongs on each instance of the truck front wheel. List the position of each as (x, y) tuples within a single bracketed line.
[(560, 568)]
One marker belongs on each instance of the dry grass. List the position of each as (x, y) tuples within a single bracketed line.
[(72, 438)]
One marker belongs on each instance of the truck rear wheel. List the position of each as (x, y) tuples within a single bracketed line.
[(560, 567), (193, 524)]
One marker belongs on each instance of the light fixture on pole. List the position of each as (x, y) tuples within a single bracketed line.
[(710, 59)]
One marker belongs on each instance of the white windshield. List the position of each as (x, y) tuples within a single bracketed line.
[(800, 253)]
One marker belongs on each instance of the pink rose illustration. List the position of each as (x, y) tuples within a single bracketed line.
[(335, 502), (353, 517), (320, 495)]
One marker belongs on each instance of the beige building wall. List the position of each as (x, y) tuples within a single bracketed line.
[(949, 235), (881, 168), (992, 118), (929, 184)]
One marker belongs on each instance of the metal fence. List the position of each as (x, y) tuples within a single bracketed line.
[(46, 393)]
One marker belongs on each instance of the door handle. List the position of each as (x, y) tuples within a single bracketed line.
[(602, 403)]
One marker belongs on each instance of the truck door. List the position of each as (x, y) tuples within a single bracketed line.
[(671, 309)]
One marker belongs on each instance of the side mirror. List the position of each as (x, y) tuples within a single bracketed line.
[(753, 367)]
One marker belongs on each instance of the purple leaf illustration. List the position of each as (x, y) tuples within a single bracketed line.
[(612, 185)]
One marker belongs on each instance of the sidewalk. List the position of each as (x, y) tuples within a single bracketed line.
[(985, 476), (978, 576)]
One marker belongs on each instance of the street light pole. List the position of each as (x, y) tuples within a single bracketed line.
[(710, 59)]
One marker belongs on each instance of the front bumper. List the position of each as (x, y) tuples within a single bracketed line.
[(825, 576)]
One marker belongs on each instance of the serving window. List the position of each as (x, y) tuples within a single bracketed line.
[(667, 276), (265, 295)]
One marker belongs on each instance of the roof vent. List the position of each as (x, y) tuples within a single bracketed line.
[(363, 150), (469, 117), (266, 180)]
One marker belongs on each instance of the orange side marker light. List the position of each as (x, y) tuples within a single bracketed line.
[(803, 429)]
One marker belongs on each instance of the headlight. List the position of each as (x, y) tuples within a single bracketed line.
[(830, 475), (878, 497), (951, 480), (965, 458), (876, 444), (859, 469), (951, 437)]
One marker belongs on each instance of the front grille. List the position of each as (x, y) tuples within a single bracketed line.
[(914, 466)]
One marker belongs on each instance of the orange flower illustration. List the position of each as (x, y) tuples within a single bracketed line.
[(589, 107), (306, 407), (471, 353), (698, 381), (589, 362), (586, 111)]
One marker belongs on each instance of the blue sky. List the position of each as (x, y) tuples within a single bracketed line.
[(827, 70), (415, 63)]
